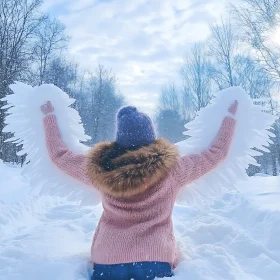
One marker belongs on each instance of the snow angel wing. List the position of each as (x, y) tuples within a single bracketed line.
[(25, 121), (251, 131)]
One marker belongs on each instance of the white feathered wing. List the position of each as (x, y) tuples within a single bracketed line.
[(25, 120), (252, 131)]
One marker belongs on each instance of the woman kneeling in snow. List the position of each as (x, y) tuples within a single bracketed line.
[(139, 177)]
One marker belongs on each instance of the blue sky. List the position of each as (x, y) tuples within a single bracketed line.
[(143, 41)]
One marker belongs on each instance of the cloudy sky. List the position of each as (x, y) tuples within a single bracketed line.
[(142, 41)]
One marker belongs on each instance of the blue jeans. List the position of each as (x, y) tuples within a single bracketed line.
[(127, 271)]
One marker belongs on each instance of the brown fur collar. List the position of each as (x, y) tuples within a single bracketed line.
[(123, 173)]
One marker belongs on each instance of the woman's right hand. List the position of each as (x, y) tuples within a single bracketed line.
[(233, 108), (47, 108)]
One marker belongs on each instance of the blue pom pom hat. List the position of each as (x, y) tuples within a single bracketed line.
[(134, 129)]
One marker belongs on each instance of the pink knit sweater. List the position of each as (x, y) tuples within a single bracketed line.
[(139, 228)]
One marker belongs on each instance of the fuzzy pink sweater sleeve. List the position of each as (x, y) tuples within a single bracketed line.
[(192, 167), (70, 163)]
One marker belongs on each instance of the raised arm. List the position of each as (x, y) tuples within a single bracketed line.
[(192, 167), (70, 163)]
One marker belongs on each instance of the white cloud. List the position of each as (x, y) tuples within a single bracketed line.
[(142, 41), (49, 4)]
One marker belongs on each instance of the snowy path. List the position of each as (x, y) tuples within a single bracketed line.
[(50, 238)]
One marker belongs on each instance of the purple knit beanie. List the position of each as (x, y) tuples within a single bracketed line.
[(134, 129)]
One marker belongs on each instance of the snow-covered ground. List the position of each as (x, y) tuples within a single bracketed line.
[(238, 237)]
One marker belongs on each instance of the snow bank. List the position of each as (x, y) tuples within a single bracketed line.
[(263, 191), (12, 186)]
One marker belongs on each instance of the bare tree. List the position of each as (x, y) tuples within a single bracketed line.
[(196, 79), (31, 50), (63, 74), (99, 103), (223, 46), (252, 77), (50, 39), (169, 98), (19, 21), (258, 19)]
